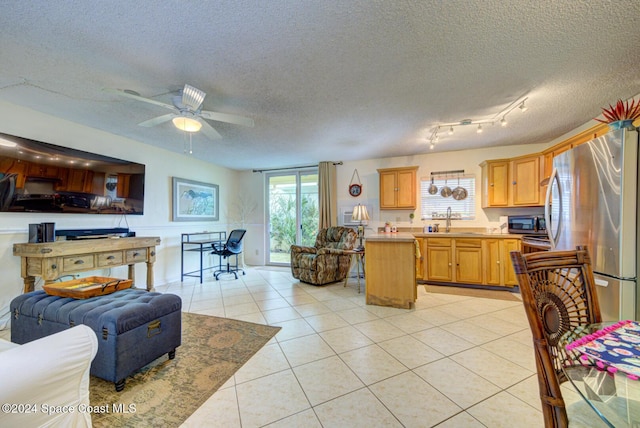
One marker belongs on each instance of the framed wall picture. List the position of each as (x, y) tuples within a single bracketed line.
[(195, 201)]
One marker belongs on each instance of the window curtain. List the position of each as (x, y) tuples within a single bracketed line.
[(327, 190)]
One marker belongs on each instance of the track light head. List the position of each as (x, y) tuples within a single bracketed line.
[(523, 107), (479, 131), (503, 122), (451, 130)]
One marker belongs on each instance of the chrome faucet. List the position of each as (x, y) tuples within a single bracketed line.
[(448, 225)]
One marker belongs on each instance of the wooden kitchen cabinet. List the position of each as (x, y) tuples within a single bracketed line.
[(15, 166), (525, 181), (42, 171), (476, 260), (509, 274), (513, 182), (79, 180), (498, 269), (492, 261), (439, 260), (390, 271), (398, 188), (468, 261), (495, 183)]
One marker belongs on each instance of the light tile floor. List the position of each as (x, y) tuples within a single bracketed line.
[(452, 361)]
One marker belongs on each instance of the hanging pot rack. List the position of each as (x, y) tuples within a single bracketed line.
[(447, 173)]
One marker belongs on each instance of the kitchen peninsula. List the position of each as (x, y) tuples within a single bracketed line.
[(397, 261), (390, 269)]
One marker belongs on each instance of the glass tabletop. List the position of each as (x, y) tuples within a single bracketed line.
[(614, 396)]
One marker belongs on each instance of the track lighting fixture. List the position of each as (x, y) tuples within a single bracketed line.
[(432, 145), (519, 103)]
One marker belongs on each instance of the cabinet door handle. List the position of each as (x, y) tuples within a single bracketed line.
[(78, 262), (136, 254), (111, 257)]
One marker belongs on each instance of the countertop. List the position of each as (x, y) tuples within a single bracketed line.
[(391, 237), (407, 233), (466, 235)]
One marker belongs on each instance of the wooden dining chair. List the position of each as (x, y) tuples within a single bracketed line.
[(558, 292)]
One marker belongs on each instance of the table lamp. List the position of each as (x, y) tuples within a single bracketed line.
[(359, 214)]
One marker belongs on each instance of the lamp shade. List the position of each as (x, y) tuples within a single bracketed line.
[(360, 213), (186, 124)]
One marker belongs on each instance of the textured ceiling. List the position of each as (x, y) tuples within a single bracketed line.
[(323, 80)]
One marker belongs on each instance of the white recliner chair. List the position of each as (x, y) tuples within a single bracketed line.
[(43, 380)]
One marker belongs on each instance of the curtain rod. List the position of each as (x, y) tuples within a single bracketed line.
[(293, 167)]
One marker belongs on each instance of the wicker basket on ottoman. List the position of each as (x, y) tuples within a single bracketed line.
[(134, 327)]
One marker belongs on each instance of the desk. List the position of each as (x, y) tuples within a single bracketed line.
[(358, 256), (200, 242), (51, 260), (614, 397)]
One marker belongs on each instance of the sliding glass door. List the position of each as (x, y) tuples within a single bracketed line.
[(292, 216)]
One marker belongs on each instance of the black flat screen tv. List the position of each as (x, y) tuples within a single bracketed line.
[(38, 177)]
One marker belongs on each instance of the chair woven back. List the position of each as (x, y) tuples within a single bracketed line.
[(558, 292)]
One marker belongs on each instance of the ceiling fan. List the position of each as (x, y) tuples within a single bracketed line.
[(187, 112)]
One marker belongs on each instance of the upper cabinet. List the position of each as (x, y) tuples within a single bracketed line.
[(512, 182), (398, 188)]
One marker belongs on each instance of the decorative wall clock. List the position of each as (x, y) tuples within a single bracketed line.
[(355, 188)]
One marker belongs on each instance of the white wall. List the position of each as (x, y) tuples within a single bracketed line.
[(161, 165)]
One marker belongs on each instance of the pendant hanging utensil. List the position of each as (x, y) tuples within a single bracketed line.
[(433, 189), (445, 192), (459, 193)]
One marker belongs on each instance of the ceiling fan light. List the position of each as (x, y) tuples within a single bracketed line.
[(186, 124)]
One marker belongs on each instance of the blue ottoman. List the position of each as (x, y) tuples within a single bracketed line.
[(134, 327)]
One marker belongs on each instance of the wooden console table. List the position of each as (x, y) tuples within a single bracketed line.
[(51, 260)]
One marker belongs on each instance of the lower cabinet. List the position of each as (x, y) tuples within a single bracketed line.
[(509, 245), (439, 259), (469, 260)]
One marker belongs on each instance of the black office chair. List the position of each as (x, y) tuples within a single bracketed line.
[(232, 247)]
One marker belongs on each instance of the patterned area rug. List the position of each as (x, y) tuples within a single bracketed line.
[(473, 292), (166, 392)]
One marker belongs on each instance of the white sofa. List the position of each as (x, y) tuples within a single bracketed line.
[(45, 383)]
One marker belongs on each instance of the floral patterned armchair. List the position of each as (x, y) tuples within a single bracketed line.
[(326, 261)]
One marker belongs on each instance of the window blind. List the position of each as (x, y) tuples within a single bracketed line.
[(434, 207)]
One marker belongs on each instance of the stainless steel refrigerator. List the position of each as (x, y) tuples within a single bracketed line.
[(592, 199)]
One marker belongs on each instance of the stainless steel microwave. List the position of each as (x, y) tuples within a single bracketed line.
[(527, 225)]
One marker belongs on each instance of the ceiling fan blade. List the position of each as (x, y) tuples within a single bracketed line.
[(158, 120), (129, 94), (228, 118), (209, 131), (192, 97)]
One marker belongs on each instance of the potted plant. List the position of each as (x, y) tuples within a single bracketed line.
[(622, 115)]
